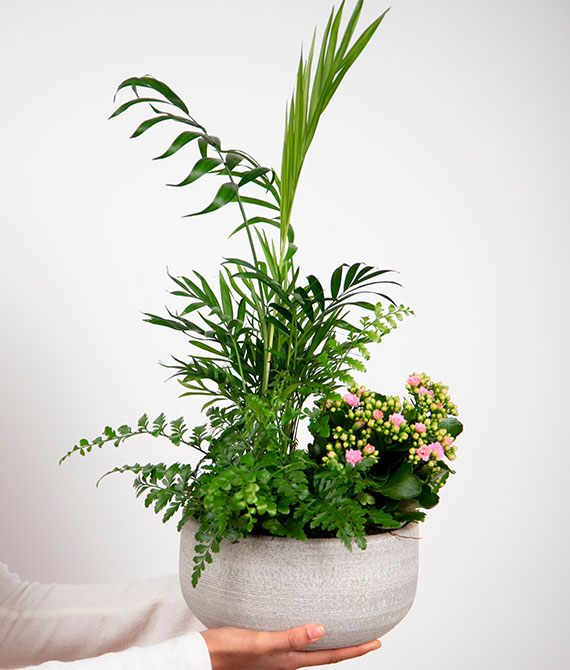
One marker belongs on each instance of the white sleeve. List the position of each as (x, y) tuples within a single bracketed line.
[(188, 652), (68, 622)]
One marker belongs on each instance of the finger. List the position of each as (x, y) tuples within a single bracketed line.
[(303, 659), (293, 638)]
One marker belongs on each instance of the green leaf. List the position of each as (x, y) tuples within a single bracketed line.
[(403, 484), (203, 146), (201, 167), (253, 174), (335, 281), (311, 97), (232, 159), (214, 141), (253, 221), (206, 347), (427, 499), (317, 290), (279, 325), (156, 85), (301, 296), (410, 516), (143, 421), (226, 297), (130, 103), (365, 498), (192, 308), (149, 123), (182, 140), (226, 193), (350, 275), (382, 518), (257, 201), (453, 426)]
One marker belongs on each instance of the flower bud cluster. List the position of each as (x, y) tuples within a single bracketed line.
[(430, 404), (357, 415), (432, 397), (362, 421)]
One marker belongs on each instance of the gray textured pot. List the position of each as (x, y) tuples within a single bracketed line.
[(274, 583)]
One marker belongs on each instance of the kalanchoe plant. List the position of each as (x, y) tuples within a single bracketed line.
[(264, 342), (398, 446)]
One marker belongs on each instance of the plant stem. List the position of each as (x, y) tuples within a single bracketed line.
[(260, 307)]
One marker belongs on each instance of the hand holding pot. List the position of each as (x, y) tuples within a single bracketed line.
[(240, 649)]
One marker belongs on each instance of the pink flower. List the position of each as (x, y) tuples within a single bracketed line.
[(420, 428), (437, 448), (414, 380), (424, 390), (397, 419), (447, 441), (424, 452), (353, 456), (351, 399), (439, 405), (377, 414), (368, 449)]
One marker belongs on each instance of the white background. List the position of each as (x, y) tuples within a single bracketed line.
[(445, 156)]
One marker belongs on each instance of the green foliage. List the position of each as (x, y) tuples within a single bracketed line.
[(396, 447), (264, 341), (175, 432), (313, 94), (403, 484)]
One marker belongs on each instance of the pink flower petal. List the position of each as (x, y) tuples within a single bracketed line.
[(353, 456)]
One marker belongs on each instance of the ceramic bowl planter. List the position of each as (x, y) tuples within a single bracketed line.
[(275, 583)]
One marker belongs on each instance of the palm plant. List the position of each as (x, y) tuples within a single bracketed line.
[(264, 340), (263, 331)]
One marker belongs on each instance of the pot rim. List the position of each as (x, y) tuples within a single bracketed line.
[(410, 530)]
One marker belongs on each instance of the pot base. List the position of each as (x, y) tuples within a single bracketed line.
[(274, 583)]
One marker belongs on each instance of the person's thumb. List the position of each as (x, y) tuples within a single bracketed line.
[(296, 638)]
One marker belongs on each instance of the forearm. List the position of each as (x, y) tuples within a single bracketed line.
[(69, 622)]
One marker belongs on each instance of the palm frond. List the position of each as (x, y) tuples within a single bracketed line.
[(312, 96)]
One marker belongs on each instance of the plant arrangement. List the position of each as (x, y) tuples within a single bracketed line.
[(270, 348)]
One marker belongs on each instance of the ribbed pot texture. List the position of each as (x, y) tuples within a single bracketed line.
[(275, 583)]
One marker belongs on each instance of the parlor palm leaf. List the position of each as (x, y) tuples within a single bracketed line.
[(312, 96)]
